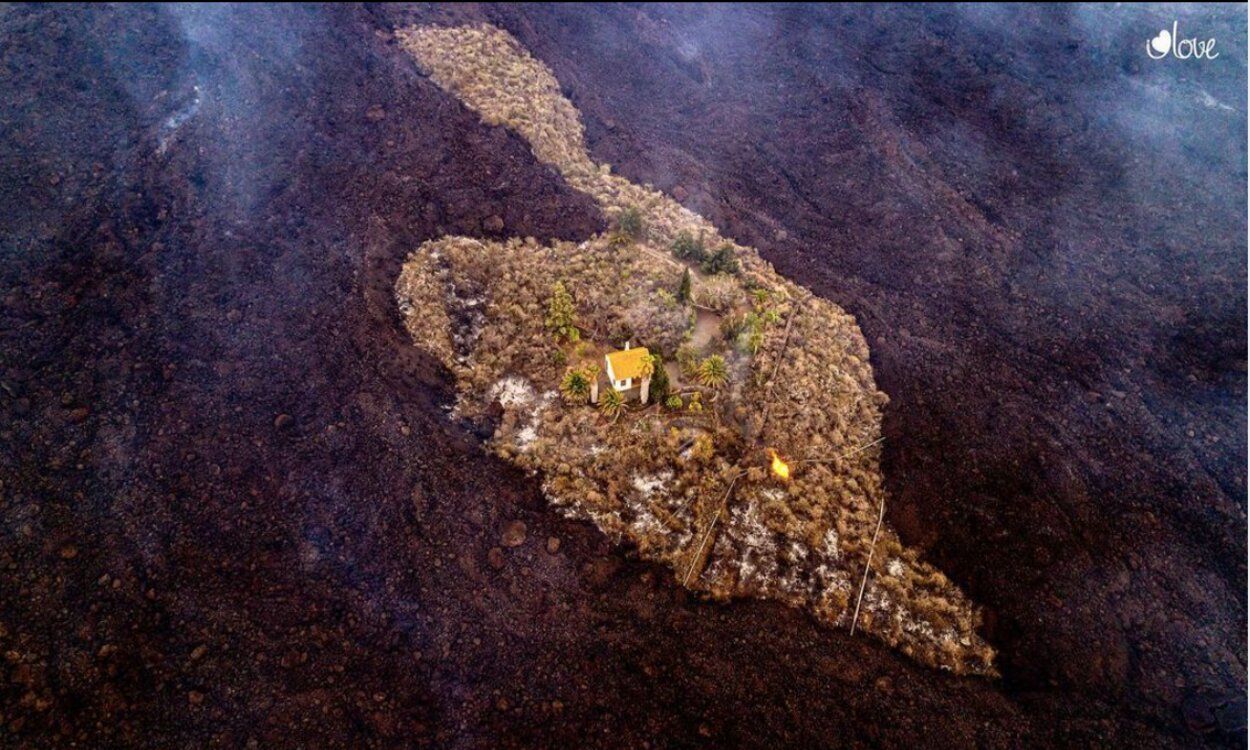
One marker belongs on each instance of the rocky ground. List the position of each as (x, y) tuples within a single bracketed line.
[(235, 512)]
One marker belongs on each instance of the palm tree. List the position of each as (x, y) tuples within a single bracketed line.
[(646, 367), (592, 374), (713, 372), (575, 386), (611, 404)]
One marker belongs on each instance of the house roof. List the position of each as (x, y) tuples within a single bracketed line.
[(627, 363)]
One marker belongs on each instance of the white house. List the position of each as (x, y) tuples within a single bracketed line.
[(625, 370)]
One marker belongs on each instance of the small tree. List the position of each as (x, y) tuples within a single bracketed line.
[(683, 289), (611, 404), (575, 387), (722, 261), (713, 372), (561, 314), (630, 223), (674, 402), (687, 247)]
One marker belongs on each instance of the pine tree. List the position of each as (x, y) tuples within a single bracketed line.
[(561, 314), (659, 379), (683, 289)]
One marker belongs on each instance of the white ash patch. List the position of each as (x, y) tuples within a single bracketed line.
[(516, 393), (882, 604), (745, 526), (829, 545), (793, 582), (915, 627), (512, 391), (645, 523), (748, 549), (827, 578), (649, 484), (877, 601), (526, 436)]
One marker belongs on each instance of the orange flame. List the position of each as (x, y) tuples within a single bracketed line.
[(780, 468)]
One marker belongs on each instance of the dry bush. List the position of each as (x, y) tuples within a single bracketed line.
[(719, 293)]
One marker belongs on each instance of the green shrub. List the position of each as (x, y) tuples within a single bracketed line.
[(722, 261), (630, 223), (687, 247)]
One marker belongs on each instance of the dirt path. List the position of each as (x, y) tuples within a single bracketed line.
[(706, 327)]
